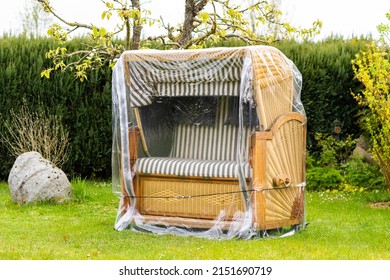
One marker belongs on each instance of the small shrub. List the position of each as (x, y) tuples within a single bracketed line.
[(36, 131), (333, 150), (355, 175), (323, 178), (360, 174), (334, 170)]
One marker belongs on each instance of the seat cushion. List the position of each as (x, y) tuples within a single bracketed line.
[(190, 167)]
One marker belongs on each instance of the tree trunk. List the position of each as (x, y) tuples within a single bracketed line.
[(137, 26), (192, 9)]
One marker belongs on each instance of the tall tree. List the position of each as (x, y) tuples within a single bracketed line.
[(34, 20), (204, 21)]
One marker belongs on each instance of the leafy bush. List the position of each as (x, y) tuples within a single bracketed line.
[(323, 178), (333, 150), (334, 169), (355, 175), (363, 175)]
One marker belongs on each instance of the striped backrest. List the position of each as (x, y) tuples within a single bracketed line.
[(218, 142)]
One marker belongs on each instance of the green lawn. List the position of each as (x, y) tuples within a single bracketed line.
[(341, 226)]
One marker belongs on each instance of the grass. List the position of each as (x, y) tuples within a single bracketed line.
[(342, 226)]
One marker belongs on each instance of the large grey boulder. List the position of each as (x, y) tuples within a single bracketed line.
[(33, 178)]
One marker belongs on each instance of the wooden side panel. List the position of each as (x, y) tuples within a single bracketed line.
[(259, 169), (133, 144), (278, 162)]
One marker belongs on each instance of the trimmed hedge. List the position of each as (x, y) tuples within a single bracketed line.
[(85, 108)]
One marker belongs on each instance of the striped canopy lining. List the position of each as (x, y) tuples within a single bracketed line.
[(149, 79)]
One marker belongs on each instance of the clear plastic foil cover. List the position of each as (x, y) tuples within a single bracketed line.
[(209, 143)]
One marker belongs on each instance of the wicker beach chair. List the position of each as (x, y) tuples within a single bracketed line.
[(208, 139)]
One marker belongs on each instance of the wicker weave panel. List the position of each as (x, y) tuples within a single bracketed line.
[(286, 155), (284, 204), (190, 198), (274, 100), (286, 151)]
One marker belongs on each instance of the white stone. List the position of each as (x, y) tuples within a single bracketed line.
[(33, 178)]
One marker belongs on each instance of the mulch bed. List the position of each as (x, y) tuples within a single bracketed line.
[(385, 204)]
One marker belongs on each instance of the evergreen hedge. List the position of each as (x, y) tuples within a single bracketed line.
[(85, 108)]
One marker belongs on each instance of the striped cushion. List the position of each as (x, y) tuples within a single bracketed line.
[(219, 142), (186, 167)]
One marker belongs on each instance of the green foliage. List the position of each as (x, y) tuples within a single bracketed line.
[(355, 175), (334, 151), (372, 68), (334, 169), (323, 178), (83, 108), (361, 175)]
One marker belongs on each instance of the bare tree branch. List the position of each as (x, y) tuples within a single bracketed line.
[(227, 19), (46, 6)]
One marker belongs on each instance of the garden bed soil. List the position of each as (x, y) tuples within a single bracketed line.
[(385, 204)]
